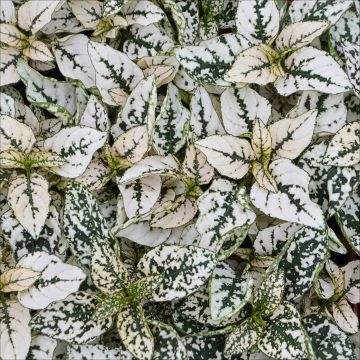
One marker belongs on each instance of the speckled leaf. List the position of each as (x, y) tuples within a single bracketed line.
[(12, 36), (352, 54), (170, 125), (240, 108), (96, 352), (208, 62), (229, 292), (343, 149), (70, 319), (8, 61), (190, 13), (17, 279), (95, 115), (291, 202), (184, 269), (57, 280), (263, 177), (88, 12), (283, 337), (204, 347), (229, 155), (261, 142), (142, 12), (76, 145), (135, 333), (345, 317), (42, 347), (15, 135), (113, 69), (291, 136), (204, 120), (352, 281), (222, 211), (312, 69), (8, 12), (83, 221), (258, 21), (112, 7), (327, 341), (15, 332)]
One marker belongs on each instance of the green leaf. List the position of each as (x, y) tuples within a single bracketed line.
[(70, 319), (229, 292), (184, 269)]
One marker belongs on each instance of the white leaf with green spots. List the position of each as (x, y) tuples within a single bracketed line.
[(8, 12), (140, 195), (72, 58), (208, 62), (33, 14), (8, 61), (135, 333), (83, 221), (331, 111), (312, 69), (229, 155), (253, 66), (283, 337), (291, 136), (204, 120), (77, 145), (142, 12), (71, 319), (12, 36), (15, 332), (352, 54), (268, 296), (343, 149), (352, 281), (170, 125), (228, 291), (348, 216), (178, 16), (57, 97), (96, 352), (88, 12), (42, 347), (243, 338), (326, 340), (292, 201), (95, 115), (151, 165), (57, 280), (240, 108), (113, 70), (258, 21), (345, 317), (324, 10), (139, 108), (222, 211), (38, 51), (300, 34), (302, 260), (29, 199), (112, 7), (15, 135), (108, 272), (184, 269), (190, 13)]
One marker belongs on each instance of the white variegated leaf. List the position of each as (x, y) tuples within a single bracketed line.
[(240, 108), (352, 54), (229, 155), (12, 36), (352, 281), (15, 332), (291, 202), (96, 352), (343, 149), (95, 176), (184, 269), (253, 65), (312, 69), (15, 135), (204, 120), (8, 12), (73, 60), (71, 319), (291, 136), (95, 115), (38, 51), (142, 12), (113, 70), (258, 21), (112, 7), (139, 108), (222, 212), (263, 177), (261, 141), (297, 35), (135, 332), (29, 199), (208, 62), (33, 14), (88, 12), (77, 145), (41, 347), (190, 13), (8, 60), (283, 337), (151, 165), (18, 279), (345, 317), (170, 125), (228, 291), (57, 280)]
